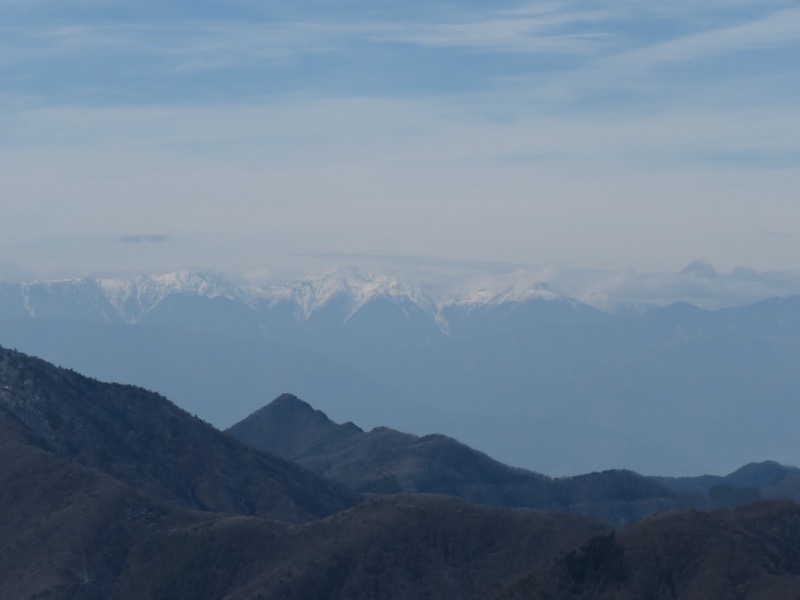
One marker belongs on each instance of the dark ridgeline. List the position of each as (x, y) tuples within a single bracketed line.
[(385, 461), (143, 439), (751, 551), (109, 491)]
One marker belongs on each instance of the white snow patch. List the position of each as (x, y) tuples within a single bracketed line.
[(353, 288)]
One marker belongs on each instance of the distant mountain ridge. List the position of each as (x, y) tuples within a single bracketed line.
[(129, 301), (521, 372), (114, 300)]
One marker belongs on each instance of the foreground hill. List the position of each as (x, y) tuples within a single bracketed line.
[(72, 532), (86, 513), (67, 529), (103, 487), (390, 548), (146, 441), (751, 552)]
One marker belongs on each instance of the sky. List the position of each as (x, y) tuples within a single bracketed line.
[(263, 139)]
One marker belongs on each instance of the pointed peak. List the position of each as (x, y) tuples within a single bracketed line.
[(353, 287), (290, 401), (290, 407), (290, 427)]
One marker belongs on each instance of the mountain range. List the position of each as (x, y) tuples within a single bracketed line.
[(111, 491), (387, 461), (530, 376), (346, 291)]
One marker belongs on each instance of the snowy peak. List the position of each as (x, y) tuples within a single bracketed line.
[(349, 286)]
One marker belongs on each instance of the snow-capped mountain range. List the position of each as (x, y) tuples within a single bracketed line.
[(129, 301)]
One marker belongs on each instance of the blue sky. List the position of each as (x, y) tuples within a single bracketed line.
[(262, 138)]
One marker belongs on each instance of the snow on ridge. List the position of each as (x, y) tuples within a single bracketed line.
[(349, 287), (613, 292), (489, 297), (69, 289), (117, 292), (134, 299), (511, 288), (355, 288), (184, 282)]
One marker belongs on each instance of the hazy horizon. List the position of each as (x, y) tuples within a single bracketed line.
[(698, 283)]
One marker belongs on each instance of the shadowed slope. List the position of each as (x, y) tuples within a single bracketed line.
[(70, 532), (143, 439), (751, 552), (291, 428), (74, 532), (397, 547), (66, 530), (385, 461)]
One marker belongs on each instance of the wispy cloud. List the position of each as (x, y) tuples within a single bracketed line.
[(548, 29), (189, 45), (777, 29), (539, 129), (720, 53), (194, 44), (600, 48)]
